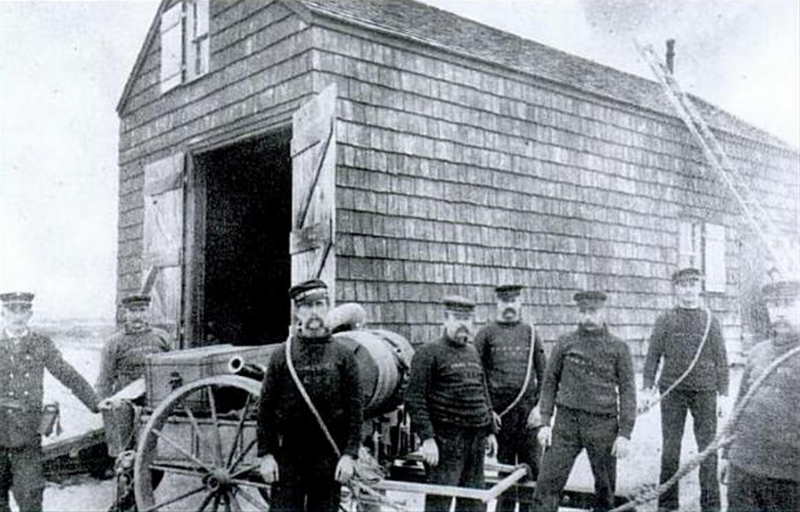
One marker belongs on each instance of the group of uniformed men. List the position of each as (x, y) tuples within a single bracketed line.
[(469, 394)]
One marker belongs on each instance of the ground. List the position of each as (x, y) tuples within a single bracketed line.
[(81, 344)]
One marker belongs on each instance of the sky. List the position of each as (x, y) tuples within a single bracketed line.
[(63, 66)]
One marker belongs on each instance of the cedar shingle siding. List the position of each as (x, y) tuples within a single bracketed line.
[(467, 157)]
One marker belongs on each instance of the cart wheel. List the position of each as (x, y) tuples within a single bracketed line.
[(202, 437)]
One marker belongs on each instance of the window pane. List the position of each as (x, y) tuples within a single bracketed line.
[(201, 20), (171, 47), (715, 269)]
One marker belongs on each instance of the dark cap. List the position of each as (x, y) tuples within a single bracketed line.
[(686, 274), (22, 299), (308, 289), (785, 289), (458, 304), (590, 298), (508, 291), (135, 301)]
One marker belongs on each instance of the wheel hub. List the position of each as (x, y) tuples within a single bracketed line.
[(218, 479)]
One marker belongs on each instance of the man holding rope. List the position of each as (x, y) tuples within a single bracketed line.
[(764, 469), (695, 371), (514, 361), (308, 453)]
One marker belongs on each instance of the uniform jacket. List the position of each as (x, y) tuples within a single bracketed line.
[(504, 351), (22, 365), (447, 387), (591, 371), (124, 357), (329, 373), (676, 337)]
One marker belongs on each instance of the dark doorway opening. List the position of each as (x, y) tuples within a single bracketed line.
[(247, 221)]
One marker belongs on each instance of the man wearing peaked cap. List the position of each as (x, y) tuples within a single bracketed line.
[(680, 334), (296, 456), (764, 467), (24, 355), (448, 401), (590, 380), (514, 361)]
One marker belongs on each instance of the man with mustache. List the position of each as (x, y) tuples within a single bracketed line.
[(450, 408), (514, 361), (677, 337), (296, 456), (24, 355), (590, 378), (764, 467)]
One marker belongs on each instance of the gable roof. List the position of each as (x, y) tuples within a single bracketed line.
[(428, 25)]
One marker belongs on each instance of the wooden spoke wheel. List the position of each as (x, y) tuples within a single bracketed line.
[(202, 437)]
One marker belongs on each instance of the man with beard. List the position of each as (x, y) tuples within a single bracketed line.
[(590, 378), (450, 408), (764, 468), (24, 355), (689, 339), (514, 361), (296, 456)]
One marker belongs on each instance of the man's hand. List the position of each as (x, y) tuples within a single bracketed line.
[(269, 469), (498, 421), (723, 406), (620, 448), (534, 418), (545, 436), (648, 398), (109, 403), (491, 445), (724, 471), (430, 452), (345, 469)]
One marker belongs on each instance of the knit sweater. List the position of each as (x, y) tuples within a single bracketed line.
[(591, 371), (329, 373), (676, 338), (504, 349), (767, 441), (447, 387)]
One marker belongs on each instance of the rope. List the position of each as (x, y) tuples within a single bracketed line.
[(527, 376), (686, 373), (723, 438)]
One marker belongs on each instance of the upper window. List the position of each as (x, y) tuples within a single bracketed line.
[(184, 43), (702, 245)]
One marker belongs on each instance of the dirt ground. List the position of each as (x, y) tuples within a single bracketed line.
[(81, 346)]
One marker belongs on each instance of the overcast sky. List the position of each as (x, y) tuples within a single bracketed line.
[(63, 66)]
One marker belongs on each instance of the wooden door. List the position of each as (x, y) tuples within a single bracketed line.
[(164, 241), (313, 152)]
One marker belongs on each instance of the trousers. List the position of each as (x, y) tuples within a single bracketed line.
[(21, 470), (517, 444), (461, 453), (574, 431), (674, 407), (305, 484), (753, 493)]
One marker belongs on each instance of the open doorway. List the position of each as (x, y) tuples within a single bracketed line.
[(246, 221)]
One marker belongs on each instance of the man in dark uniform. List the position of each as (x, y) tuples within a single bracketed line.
[(296, 456), (125, 354), (676, 338), (590, 377), (24, 355), (448, 401), (514, 361), (764, 469)]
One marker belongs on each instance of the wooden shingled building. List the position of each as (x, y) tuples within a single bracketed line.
[(402, 152)]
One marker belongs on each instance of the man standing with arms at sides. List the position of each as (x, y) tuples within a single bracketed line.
[(514, 361), (297, 457), (764, 468), (689, 340), (590, 378), (450, 408), (24, 355)]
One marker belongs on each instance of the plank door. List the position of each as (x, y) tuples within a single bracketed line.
[(313, 150), (164, 242)]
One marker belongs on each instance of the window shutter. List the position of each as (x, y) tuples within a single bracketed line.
[(714, 260), (172, 47), (163, 240), (313, 150)]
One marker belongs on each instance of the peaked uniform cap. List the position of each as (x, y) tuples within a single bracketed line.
[(132, 301), (784, 289), (686, 274), (508, 290), (23, 298), (458, 304), (306, 289), (590, 298)]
